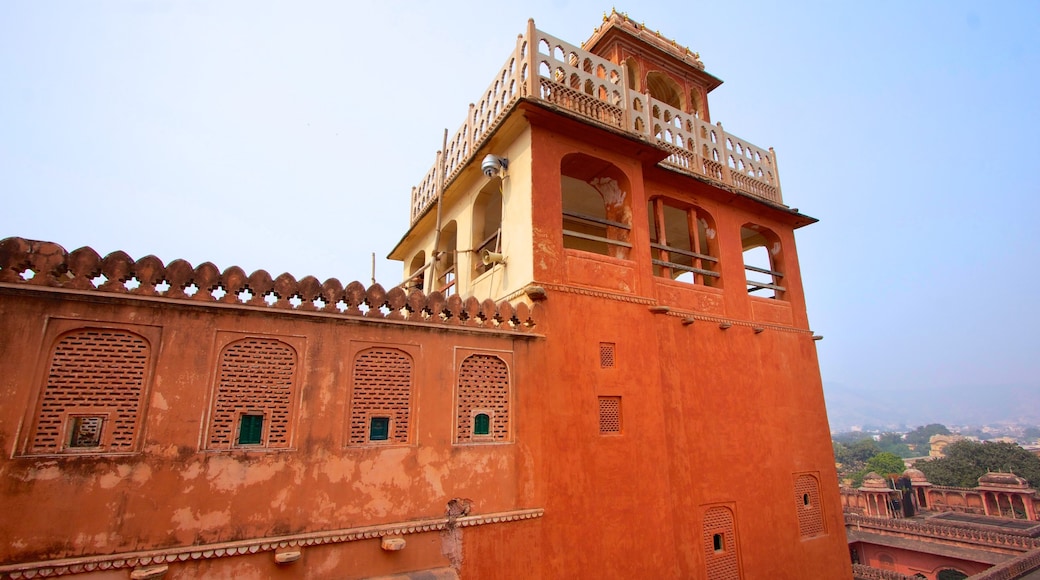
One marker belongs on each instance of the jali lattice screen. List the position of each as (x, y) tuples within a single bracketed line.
[(807, 502), (483, 388), (382, 387), (720, 553), (97, 375), (256, 377)]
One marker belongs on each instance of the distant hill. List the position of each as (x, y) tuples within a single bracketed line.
[(967, 405)]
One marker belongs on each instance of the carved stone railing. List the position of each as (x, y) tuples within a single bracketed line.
[(45, 264), (953, 533), (545, 69), (1012, 569), (861, 572)]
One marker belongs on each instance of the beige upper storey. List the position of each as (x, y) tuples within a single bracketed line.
[(655, 92)]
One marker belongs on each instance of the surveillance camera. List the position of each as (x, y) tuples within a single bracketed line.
[(493, 164)]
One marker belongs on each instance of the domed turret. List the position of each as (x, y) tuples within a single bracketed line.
[(874, 482), (916, 475)]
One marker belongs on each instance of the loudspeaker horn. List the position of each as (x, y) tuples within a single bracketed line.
[(488, 257)]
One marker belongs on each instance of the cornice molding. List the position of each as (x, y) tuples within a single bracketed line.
[(131, 560)]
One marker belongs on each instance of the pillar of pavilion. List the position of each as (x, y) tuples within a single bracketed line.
[(1007, 495), (878, 496)]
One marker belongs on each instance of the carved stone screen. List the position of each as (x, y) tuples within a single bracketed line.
[(255, 378), (483, 388), (807, 502), (382, 388), (720, 544), (93, 392)]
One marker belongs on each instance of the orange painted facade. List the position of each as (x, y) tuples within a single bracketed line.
[(581, 416)]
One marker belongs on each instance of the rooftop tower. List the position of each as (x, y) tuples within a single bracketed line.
[(675, 420)]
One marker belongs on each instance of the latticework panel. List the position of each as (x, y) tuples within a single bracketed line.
[(98, 372), (720, 544), (382, 387), (256, 376), (483, 387), (807, 502), (609, 415), (606, 355)]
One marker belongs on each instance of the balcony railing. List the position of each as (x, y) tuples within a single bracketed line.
[(591, 87)]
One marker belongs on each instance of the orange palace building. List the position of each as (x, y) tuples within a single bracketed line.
[(602, 308)]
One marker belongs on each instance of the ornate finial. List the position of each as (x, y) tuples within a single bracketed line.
[(604, 17), (697, 62)]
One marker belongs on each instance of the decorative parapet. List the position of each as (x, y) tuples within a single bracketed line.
[(131, 560), (1012, 569), (29, 263), (581, 83), (862, 572), (959, 534)]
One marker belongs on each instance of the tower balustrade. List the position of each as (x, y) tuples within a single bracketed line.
[(549, 71)]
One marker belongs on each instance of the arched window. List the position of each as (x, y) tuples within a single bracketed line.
[(950, 574), (886, 562), (763, 261), (487, 226), (597, 215), (254, 395), (683, 244), (92, 399)]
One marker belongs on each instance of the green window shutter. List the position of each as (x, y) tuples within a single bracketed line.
[(482, 424), (379, 429), (250, 429)]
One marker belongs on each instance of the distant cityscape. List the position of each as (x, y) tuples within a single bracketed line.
[(1011, 432), (983, 411)]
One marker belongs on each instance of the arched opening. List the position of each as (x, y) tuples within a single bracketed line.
[(416, 273), (886, 562), (487, 226), (664, 88), (632, 72), (446, 271), (697, 103), (950, 574), (763, 261), (597, 216), (683, 243)]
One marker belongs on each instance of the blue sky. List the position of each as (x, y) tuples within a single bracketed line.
[(287, 136)]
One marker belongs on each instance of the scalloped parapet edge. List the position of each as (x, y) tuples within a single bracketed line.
[(37, 263)]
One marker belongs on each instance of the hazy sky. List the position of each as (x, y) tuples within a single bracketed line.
[(288, 135)]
